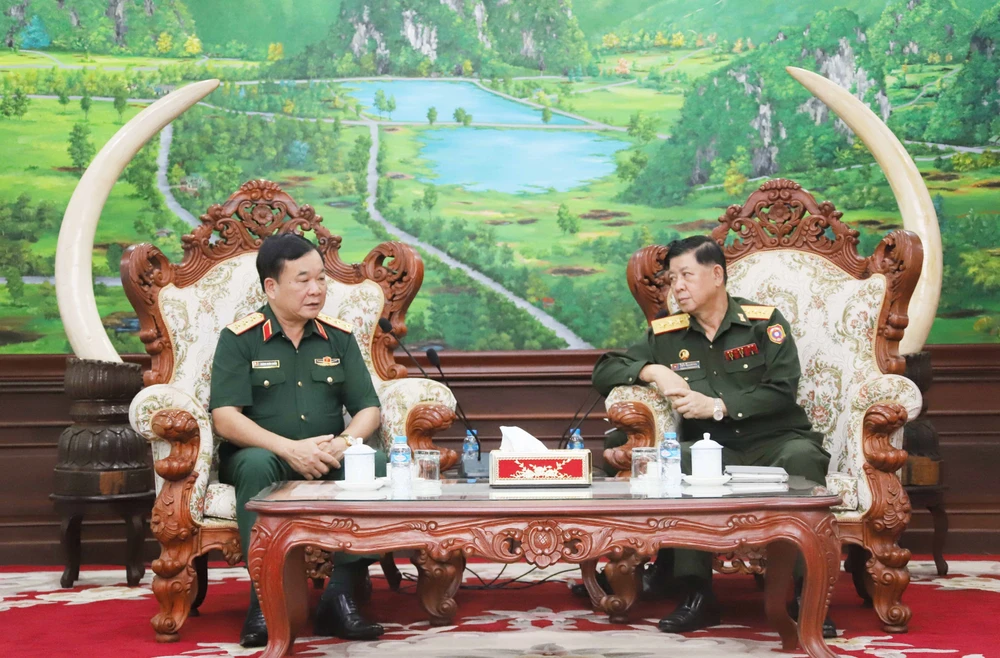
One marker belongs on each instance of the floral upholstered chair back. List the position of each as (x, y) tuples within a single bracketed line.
[(847, 313), (183, 308)]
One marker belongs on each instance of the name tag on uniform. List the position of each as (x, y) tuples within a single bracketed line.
[(258, 365), (327, 361), (686, 365)]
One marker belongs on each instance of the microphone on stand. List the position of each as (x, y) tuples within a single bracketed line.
[(386, 327), (435, 360), (570, 429)]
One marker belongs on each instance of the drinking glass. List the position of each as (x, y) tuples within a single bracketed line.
[(645, 464), (428, 464)]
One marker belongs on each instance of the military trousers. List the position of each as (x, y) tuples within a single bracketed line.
[(798, 454), (251, 470)]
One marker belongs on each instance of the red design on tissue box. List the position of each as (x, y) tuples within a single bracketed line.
[(554, 468)]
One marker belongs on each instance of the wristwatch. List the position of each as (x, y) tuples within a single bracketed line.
[(717, 413), (347, 437)]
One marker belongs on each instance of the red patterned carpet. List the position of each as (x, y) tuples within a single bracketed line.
[(953, 616)]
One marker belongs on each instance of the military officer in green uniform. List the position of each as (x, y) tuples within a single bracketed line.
[(730, 368), (281, 379)]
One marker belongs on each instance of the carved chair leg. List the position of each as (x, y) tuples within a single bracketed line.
[(201, 572), (174, 586), (889, 577), (437, 581), (391, 571)]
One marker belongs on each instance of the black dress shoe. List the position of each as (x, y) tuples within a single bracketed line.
[(338, 616), (254, 633), (829, 628), (698, 610)]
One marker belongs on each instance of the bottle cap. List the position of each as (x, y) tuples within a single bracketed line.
[(399, 439)]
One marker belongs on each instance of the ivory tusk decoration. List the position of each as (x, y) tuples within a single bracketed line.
[(911, 194), (74, 250)]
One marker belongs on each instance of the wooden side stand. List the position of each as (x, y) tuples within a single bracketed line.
[(103, 464)]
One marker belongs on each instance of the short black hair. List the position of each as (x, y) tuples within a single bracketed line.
[(706, 251), (276, 250)]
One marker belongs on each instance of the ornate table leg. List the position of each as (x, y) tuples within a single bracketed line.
[(940, 518), (821, 551), (624, 581), (437, 582), (278, 574), (780, 563)]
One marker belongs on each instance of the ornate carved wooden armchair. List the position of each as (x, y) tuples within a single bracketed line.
[(847, 315), (182, 308)]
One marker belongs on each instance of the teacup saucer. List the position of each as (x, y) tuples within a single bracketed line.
[(715, 481), (367, 485)]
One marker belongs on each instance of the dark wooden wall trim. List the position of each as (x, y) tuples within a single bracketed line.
[(539, 391)]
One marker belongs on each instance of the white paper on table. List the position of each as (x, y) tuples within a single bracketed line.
[(514, 439)]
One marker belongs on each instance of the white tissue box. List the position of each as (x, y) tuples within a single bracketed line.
[(553, 468)]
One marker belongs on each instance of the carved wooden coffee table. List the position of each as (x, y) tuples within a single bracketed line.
[(543, 527)]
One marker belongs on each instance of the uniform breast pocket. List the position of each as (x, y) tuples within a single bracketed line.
[(268, 386), (748, 370), (692, 375), (331, 375)]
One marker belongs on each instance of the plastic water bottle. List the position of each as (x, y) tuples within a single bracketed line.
[(470, 451), (670, 459), (576, 440), (400, 459)]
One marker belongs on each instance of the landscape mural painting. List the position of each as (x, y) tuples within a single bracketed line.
[(526, 147)]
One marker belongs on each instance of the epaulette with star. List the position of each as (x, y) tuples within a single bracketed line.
[(245, 323), (758, 312), (336, 323), (671, 323)]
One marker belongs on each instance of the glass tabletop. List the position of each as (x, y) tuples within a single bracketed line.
[(472, 490)]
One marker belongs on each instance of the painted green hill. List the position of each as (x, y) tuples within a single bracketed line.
[(244, 28), (751, 119), (729, 19), (446, 37), (911, 32), (97, 26), (967, 110)]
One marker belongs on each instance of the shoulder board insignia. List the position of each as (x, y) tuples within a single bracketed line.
[(336, 323), (671, 323), (758, 312), (245, 323)]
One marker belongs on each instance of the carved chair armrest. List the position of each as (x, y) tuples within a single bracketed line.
[(878, 410), (644, 415), (417, 408), (180, 432)]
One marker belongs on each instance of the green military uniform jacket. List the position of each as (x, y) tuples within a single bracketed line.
[(752, 364), (294, 392)]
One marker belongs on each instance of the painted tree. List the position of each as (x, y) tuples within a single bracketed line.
[(432, 115), (390, 106), (121, 103), (677, 40), (459, 115), (85, 103), (467, 119), (467, 68), (430, 198), (568, 222), (192, 46), (164, 43), (642, 127), (275, 52), (546, 114), (81, 149), (34, 35), (63, 96), (380, 102)]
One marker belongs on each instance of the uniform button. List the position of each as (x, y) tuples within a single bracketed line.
[(300, 383), (685, 379), (737, 431), (266, 383), (303, 416), (745, 366), (739, 415), (329, 380), (715, 372), (711, 347)]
